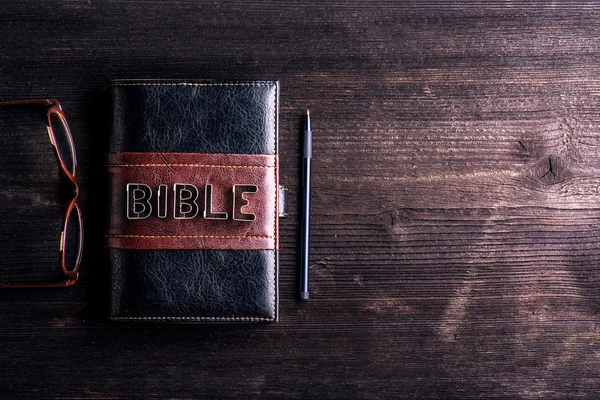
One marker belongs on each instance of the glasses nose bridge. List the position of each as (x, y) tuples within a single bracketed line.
[(69, 190)]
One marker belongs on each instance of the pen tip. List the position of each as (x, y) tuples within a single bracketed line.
[(307, 112)]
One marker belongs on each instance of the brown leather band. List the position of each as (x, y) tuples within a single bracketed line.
[(141, 219)]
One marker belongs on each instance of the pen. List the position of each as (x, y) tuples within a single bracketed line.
[(305, 233)]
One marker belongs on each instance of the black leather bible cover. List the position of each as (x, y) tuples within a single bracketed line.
[(193, 197)]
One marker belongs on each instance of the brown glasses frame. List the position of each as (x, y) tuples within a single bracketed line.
[(53, 107)]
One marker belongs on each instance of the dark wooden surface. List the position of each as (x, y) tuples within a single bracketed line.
[(456, 199)]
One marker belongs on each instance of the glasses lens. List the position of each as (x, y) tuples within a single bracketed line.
[(64, 141), (73, 240)]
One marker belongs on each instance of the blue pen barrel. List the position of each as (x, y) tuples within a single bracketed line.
[(305, 229)]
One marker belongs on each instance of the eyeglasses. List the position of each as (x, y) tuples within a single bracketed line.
[(71, 236)]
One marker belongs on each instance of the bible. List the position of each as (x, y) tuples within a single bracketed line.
[(193, 192)]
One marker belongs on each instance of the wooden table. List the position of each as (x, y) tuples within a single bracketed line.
[(456, 199)]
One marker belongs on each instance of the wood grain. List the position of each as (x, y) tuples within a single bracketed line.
[(455, 207)]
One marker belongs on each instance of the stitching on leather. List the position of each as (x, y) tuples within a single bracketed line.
[(193, 84), (275, 211), (190, 165), (191, 236), (256, 319)]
